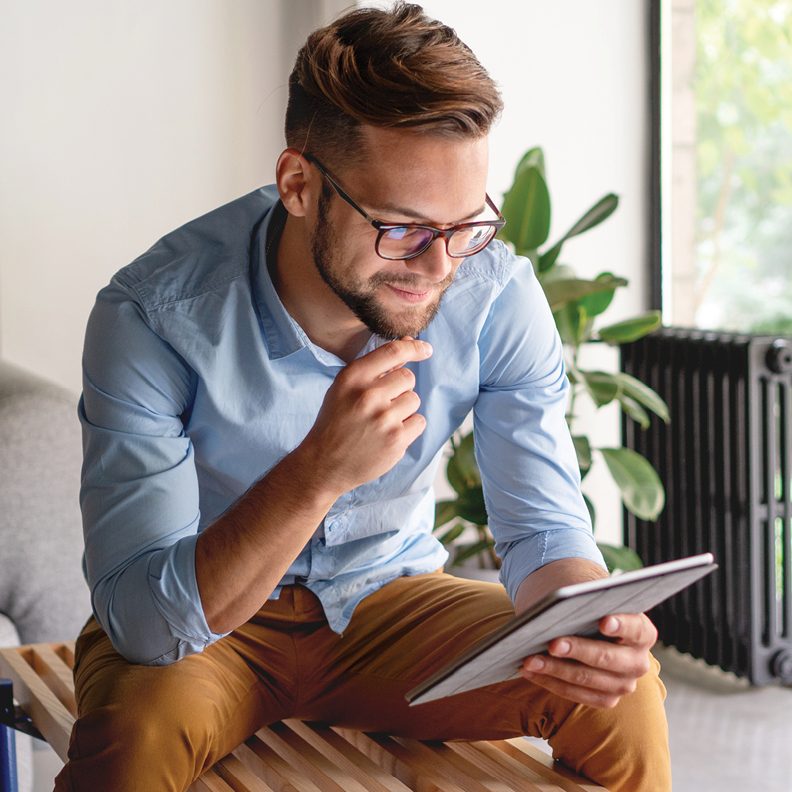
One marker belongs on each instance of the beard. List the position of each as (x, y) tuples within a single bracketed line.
[(361, 296)]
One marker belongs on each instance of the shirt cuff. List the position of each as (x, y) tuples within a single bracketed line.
[(525, 556)]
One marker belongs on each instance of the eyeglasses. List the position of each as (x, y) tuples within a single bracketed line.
[(406, 241)]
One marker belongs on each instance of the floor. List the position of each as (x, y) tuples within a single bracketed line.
[(725, 735)]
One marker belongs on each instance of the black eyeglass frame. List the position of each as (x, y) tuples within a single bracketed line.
[(383, 228)]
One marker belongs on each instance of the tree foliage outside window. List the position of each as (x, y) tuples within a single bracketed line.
[(744, 119)]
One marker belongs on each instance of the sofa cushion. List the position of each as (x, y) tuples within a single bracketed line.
[(42, 588)]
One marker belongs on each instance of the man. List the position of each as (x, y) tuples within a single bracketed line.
[(267, 394)]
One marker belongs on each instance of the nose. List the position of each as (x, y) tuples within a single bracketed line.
[(434, 263)]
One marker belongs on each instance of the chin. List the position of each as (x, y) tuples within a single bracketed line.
[(407, 323)]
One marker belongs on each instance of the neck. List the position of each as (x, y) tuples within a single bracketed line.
[(324, 318)]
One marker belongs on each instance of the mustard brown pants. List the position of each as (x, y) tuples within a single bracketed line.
[(158, 728)]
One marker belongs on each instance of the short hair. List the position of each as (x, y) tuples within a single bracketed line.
[(394, 68)]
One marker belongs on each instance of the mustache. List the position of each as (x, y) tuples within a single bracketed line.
[(413, 281)]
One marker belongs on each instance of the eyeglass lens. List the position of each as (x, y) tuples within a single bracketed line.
[(408, 241)]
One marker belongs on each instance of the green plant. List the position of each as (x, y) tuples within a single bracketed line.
[(576, 304)]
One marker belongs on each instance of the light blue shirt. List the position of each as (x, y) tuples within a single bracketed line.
[(197, 382)]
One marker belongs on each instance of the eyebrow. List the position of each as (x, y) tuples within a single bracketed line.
[(390, 209)]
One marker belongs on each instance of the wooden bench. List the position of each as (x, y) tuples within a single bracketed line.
[(292, 756)]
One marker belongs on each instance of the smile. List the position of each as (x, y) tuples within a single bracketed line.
[(410, 295)]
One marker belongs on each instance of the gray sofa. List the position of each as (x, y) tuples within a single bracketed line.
[(43, 596)]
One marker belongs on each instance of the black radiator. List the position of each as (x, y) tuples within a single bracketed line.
[(725, 460)]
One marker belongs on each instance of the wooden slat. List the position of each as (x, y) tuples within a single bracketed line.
[(65, 651), (210, 782), (49, 715), (459, 771), (347, 757), (57, 676), (261, 760), (418, 773), (514, 774), (538, 760), (309, 762), (238, 777)]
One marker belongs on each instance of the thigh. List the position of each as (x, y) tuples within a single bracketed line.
[(402, 634), (161, 727)]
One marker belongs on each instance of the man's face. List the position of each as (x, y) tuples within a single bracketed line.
[(407, 178)]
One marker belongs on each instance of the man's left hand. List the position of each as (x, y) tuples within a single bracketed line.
[(595, 672)]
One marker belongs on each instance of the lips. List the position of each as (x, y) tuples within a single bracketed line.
[(410, 294)]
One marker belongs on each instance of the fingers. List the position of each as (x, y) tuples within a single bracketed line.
[(388, 358), (631, 629), (596, 672), (593, 688), (368, 417)]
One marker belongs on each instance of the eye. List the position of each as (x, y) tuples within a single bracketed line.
[(405, 232)]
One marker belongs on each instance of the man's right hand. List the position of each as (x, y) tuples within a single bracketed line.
[(368, 417)]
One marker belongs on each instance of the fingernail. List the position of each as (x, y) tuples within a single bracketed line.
[(535, 664), (562, 648), (427, 347), (611, 626)]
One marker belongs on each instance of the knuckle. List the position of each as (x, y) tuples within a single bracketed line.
[(582, 676), (392, 348), (367, 399), (602, 656), (407, 375)]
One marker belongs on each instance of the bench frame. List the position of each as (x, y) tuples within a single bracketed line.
[(294, 756)]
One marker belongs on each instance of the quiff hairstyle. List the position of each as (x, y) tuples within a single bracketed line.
[(394, 68)]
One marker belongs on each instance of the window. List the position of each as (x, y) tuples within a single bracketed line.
[(725, 144)]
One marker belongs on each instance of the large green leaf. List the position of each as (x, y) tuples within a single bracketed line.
[(634, 410), (597, 303), (463, 552), (621, 558), (562, 290), (603, 209), (600, 385), (639, 484), (453, 533), (630, 329), (533, 158), (567, 320), (470, 506), (583, 451), (526, 208), (549, 257), (462, 470), (445, 511), (635, 389)]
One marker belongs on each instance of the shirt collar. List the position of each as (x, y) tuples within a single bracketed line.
[(283, 335)]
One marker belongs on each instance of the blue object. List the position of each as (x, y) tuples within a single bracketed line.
[(8, 768)]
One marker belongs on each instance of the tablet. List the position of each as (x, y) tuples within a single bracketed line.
[(571, 610)]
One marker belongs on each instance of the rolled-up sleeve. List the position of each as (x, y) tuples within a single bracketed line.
[(524, 449), (139, 494)]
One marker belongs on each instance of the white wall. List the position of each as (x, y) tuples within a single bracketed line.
[(122, 120)]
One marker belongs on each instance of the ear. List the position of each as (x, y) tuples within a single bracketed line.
[(297, 182)]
